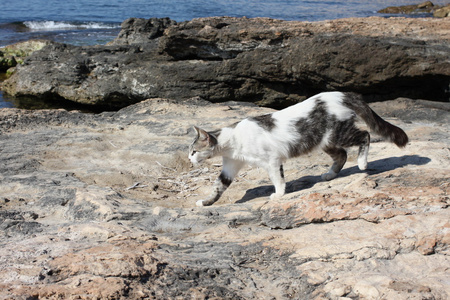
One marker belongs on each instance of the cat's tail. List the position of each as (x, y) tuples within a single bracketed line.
[(391, 132)]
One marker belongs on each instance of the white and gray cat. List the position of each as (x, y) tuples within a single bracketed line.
[(325, 121)]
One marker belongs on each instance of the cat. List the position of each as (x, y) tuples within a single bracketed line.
[(325, 121)]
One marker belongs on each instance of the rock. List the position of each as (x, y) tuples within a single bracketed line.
[(425, 7), (138, 31), (104, 205), (11, 55), (268, 62), (442, 12), (7, 62)]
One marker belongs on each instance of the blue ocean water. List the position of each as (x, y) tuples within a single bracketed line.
[(90, 22), (87, 22)]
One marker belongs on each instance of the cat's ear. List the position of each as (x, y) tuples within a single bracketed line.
[(205, 137), (201, 134), (197, 130)]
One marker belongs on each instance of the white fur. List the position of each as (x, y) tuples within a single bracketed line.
[(333, 101), (245, 142), (362, 158), (249, 143), (194, 159)]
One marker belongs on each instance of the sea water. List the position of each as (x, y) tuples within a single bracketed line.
[(88, 22), (91, 22)]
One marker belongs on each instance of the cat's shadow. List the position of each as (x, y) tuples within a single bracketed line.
[(305, 182)]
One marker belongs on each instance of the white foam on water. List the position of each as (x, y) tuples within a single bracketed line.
[(61, 25)]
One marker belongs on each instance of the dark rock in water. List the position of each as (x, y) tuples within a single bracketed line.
[(425, 7), (269, 62), (137, 31), (7, 62), (11, 55)]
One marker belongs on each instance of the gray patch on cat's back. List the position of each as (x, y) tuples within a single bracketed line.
[(311, 129), (267, 122)]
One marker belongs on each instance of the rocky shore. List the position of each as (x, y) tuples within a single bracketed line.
[(15, 54), (424, 7), (103, 207), (270, 62)]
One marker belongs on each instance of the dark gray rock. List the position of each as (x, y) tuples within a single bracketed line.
[(265, 61), (138, 31)]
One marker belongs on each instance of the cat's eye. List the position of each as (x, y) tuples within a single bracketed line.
[(193, 152)]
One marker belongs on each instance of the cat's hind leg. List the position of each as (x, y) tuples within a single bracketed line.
[(339, 156), (363, 150), (230, 169)]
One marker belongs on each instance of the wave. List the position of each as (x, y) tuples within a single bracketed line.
[(75, 33), (62, 25)]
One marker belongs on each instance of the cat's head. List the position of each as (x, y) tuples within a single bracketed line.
[(203, 146)]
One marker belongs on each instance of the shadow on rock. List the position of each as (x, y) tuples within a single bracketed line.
[(388, 164), (306, 182)]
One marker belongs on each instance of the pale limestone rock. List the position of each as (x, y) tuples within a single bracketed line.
[(71, 225)]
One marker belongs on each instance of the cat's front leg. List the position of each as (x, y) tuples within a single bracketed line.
[(276, 174), (230, 169), (220, 185)]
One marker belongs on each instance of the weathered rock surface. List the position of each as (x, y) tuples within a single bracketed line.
[(270, 62), (424, 7), (103, 207), (11, 55), (442, 12), (141, 31)]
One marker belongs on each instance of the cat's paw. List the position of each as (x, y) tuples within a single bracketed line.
[(275, 196), (362, 164), (204, 203), (328, 176)]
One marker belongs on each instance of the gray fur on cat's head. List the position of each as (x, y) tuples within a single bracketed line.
[(203, 147)]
